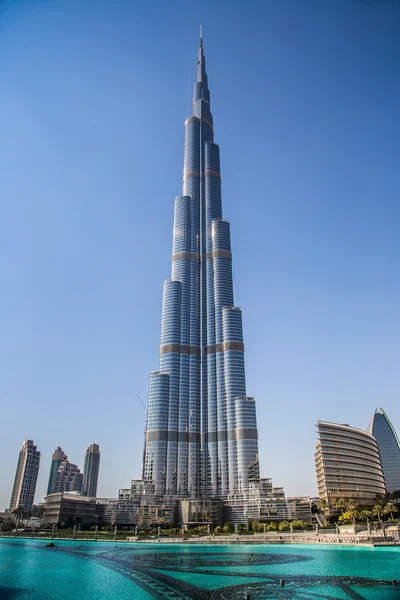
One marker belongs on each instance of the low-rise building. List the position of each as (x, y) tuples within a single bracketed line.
[(70, 508), (199, 512), (300, 509)]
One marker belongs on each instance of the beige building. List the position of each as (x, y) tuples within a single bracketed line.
[(26, 477), (348, 465)]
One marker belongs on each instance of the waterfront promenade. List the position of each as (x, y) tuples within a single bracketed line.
[(388, 537)]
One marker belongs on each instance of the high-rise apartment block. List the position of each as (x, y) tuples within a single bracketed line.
[(389, 448), (68, 478), (91, 470), (58, 457), (26, 477), (348, 465), (201, 435)]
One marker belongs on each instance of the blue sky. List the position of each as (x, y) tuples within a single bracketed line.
[(93, 97)]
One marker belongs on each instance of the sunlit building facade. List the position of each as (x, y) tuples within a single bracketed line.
[(201, 435), (58, 457), (348, 465), (68, 478), (26, 477)]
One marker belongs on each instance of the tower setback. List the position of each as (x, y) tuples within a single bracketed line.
[(58, 457), (201, 435)]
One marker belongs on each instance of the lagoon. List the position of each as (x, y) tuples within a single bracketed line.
[(105, 571)]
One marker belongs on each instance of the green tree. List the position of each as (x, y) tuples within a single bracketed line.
[(217, 529), (284, 526), (41, 511), (378, 511), (365, 515), (341, 504), (228, 527), (241, 528), (297, 524), (352, 510), (256, 526), (272, 526), (381, 499), (18, 514), (390, 509), (322, 505)]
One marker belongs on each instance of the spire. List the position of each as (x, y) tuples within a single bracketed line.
[(201, 62)]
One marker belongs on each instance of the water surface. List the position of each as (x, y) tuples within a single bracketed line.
[(97, 571)]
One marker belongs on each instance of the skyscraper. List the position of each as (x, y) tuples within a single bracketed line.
[(348, 465), (68, 478), (91, 470), (389, 448), (26, 477), (201, 433), (58, 457)]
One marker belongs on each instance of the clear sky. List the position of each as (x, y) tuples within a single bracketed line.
[(93, 97)]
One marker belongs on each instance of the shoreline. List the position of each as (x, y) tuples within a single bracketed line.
[(298, 539)]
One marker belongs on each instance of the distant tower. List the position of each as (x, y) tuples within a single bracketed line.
[(26, 477), (91, 470), (58, 457), (68, 478), (389, 448)]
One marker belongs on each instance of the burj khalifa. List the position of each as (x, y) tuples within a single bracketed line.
[(201, 437)]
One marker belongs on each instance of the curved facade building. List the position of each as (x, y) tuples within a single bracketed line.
[(201, 434), (389, 448), (348, 465)]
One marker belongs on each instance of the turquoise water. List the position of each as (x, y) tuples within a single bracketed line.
[(98, 571)]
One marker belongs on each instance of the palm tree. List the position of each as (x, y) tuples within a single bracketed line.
[(365, 514), (378, 511), (341, 503), (40, 512), (352, 510), (18, 513), (322, 505), (390, 509)]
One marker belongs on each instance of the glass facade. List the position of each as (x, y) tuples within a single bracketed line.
[(389, 448), (201, 433)]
